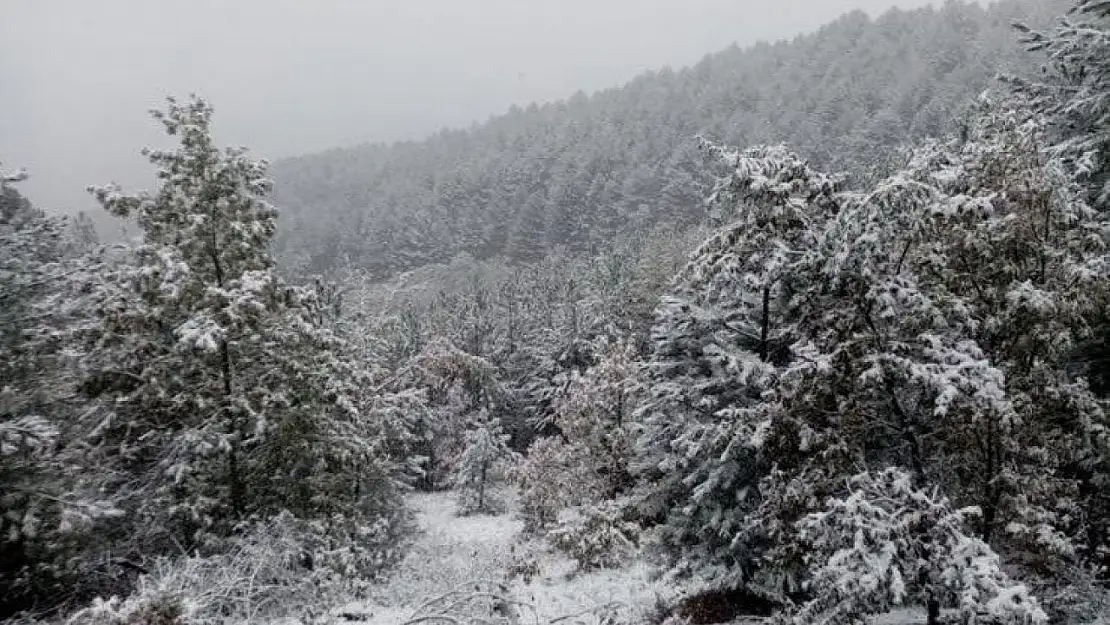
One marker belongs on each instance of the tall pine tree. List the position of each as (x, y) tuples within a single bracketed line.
[(223, 394)]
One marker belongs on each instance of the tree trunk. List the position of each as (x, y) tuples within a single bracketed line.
[(991, 492), (235, 478), (482, 489), (764, 331), (933, 608)]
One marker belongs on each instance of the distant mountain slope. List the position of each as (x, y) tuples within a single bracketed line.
[(577, 172)]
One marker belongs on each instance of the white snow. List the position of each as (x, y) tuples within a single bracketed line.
[(453, 552)]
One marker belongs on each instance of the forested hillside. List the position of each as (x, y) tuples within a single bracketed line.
[(578, 172)]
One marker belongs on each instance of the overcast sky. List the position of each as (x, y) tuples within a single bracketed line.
[(294, 76)]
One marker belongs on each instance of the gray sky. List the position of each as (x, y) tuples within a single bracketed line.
[(294, 76)]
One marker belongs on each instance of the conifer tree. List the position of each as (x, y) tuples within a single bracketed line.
[(48, 499), (717, 346), (223, 394), (485, 450), (930, 321), (1076, 96)]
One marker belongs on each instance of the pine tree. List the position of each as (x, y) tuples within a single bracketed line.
[(223, 393), (48, 501), (930, 321), (586, 460), (1038, 285), (1076, 97), (460, 386), (81, 236), (889, 544), (717, 346), (485, 450)]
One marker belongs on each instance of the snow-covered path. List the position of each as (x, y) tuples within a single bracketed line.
[(450, 552)]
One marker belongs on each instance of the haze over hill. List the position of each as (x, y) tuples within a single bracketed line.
[(290, 77), (581, 171)]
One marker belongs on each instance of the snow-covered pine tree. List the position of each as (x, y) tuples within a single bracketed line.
[(222, 394), (81, 235), (1075, 99), (459, 386), (594, 411), (717, 344), (335, 448), (48, 504), (1076, 96), (919, 349), (485, 451), (1027, 255), (390, 399), (930, 320)]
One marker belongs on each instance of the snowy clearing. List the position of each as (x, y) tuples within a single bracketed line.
[(452, 553)]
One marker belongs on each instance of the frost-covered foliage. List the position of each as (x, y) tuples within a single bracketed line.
[(1076, 97), (552, 476), (222, 395), (526, 334), (485, 456), (887, 544), (1024, 266), (597, 536), (926, 323), (586, 459), (49, 502), (717, 346), (281, 568), (463, 390)]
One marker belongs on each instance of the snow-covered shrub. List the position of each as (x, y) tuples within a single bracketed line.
[(553, 476), (587, 462), (888, 543), (475, 602), (523, 563), (152, 610), (484, 602), (282, 567), (486, 451), (1074, 596), (596, 536)]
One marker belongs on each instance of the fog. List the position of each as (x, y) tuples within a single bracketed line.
[(294, 76)]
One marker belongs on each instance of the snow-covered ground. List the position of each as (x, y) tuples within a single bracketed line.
[(452, 553)]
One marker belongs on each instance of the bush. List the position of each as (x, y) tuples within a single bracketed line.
[(282, 567), (555, 475), (523, 563), (596, 536)]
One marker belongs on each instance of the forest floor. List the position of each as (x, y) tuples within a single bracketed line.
[(452, 553)]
